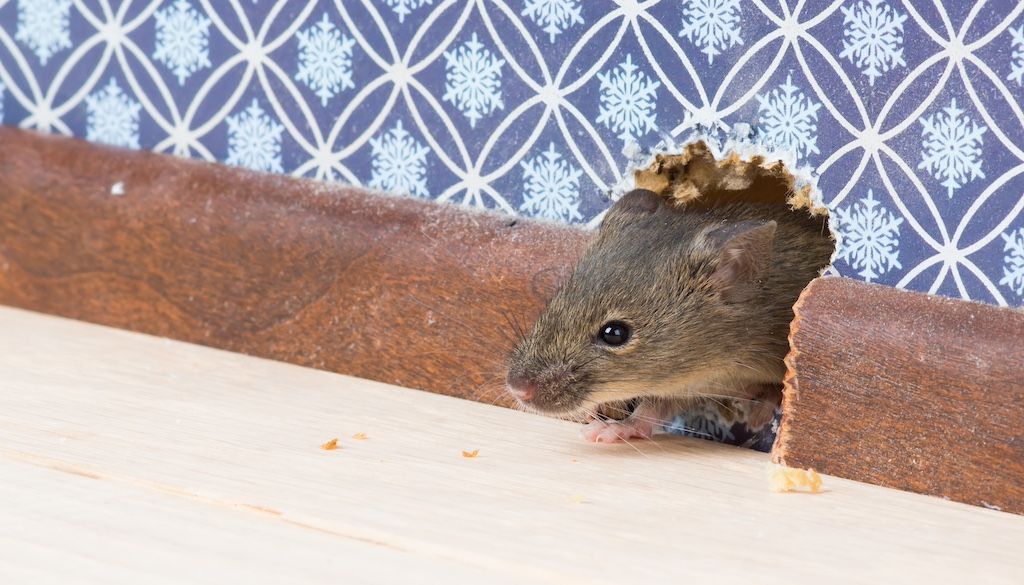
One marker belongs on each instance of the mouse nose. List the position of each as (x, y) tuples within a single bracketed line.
[(522, 388)]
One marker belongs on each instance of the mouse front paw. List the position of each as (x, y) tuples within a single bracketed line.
[(601, 431)]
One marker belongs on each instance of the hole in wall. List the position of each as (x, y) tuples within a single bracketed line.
[(695, 179)]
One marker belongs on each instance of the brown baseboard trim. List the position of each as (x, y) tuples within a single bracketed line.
[(908, 391), (393, 289)]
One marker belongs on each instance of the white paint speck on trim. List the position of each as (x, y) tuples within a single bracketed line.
[(117, 189)]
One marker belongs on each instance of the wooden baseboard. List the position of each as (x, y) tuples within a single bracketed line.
[(908, 391), (407, 292)]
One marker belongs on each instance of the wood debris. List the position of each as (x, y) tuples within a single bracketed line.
[(788, 479)]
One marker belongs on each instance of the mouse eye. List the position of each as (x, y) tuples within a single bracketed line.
[(614, 333)]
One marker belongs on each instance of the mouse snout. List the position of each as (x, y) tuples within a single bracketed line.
[(522, 388), (538, 389)]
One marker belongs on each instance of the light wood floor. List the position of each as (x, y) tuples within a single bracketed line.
[(130, 459)]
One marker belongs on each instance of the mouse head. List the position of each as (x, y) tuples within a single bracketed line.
[(648, 309)]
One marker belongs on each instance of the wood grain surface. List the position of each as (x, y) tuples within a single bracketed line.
[(131, 459), (408, 292), (907, 390)]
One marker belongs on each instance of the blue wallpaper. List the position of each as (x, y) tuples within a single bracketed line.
[(909, 114)]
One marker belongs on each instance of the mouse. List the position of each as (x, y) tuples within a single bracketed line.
[(668, 306)]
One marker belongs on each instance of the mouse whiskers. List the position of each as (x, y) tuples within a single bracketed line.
[(661, 422), (516, 326)]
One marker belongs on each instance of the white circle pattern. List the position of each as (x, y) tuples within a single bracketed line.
[(907, 113)]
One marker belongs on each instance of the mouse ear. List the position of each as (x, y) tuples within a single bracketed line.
[(636, 203), (744, 258)]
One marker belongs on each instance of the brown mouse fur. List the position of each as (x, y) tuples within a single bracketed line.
[(707, 295)]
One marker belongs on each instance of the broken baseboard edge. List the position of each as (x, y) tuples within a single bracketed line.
[(906, 390)]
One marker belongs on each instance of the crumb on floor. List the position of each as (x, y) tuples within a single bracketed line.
[(330, 445), (788, 479), (470, 454)]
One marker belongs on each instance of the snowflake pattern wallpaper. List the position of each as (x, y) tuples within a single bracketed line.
[(907, 113)]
